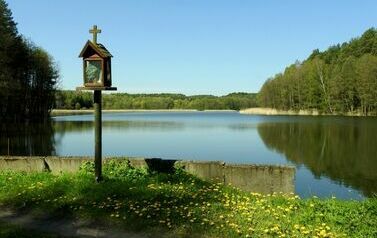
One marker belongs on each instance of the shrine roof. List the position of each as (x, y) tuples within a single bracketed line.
[(98, 48)]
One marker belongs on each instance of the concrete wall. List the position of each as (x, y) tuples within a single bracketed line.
[(211, 170), (27, 164), (57, 165), (260, 178), (254, 178)]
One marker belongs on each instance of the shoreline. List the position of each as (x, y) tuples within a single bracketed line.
[(277, 112), (67, 112), (249, 111)]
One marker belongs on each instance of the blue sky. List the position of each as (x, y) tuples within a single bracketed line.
[(188, 46)]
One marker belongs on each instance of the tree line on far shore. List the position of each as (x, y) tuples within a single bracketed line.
[(28, 75), (84, 100), (342, 79)]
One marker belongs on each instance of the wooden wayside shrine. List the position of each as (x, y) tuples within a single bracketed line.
[(97, 77)]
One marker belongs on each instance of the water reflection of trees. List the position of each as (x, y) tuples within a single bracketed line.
[(27, 139), (344, 153), (82, 126)]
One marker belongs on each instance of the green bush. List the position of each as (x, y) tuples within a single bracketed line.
[(121, 169)]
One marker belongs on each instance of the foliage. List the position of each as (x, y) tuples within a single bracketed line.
[(119, 169), (73, 100), (181, 205), (27, 74), (342, 79), (78, 100)]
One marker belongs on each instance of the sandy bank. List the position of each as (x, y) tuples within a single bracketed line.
[(272, 112)]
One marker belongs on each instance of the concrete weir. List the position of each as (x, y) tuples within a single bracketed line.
[(253, 178)]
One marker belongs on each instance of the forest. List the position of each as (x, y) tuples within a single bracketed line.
[(28, 74), (81, 100), (339, 80)]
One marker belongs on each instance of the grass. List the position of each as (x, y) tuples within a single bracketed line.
[(180, 204)]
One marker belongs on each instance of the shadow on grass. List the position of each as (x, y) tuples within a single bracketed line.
[(10, 231)]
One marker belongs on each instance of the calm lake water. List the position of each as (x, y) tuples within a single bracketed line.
[(333, 155)]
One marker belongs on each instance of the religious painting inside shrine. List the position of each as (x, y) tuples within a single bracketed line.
[(93, 72)]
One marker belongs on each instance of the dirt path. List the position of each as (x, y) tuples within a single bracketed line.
[(62, 227)]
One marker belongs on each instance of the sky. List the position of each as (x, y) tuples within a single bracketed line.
[(190, 46)]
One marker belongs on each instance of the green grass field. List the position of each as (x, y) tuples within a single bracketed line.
[(180, 204)]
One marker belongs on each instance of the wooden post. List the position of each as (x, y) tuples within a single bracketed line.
[(98, 135), (8, 146)]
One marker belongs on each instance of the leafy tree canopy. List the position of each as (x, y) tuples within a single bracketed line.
[(341, 79)]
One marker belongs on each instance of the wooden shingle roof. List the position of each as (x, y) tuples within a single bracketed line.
[(98, 48)]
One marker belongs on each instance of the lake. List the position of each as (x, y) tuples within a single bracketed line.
[(334, 156)]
